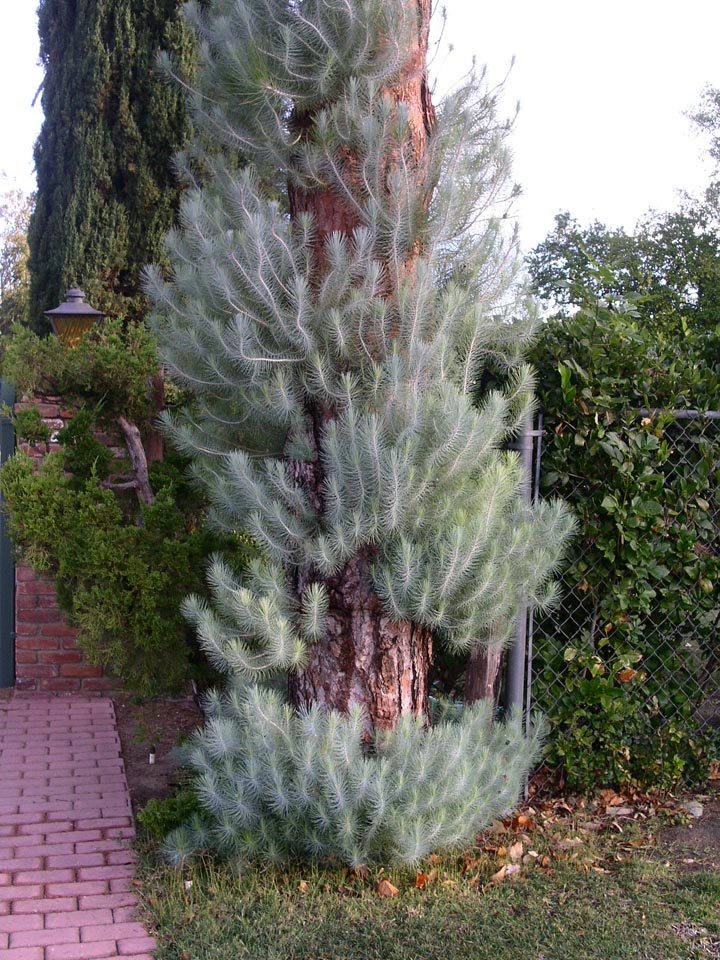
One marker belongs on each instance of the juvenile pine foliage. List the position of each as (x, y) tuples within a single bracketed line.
[(277, 783), (354, 389)]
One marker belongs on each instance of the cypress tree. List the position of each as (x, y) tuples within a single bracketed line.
[(107, 191), (344, 307)]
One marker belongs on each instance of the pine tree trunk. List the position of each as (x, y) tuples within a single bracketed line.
[(330, 209), (482, 674), (365, 658)]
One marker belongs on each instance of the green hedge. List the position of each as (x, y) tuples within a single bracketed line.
[(624, 692)]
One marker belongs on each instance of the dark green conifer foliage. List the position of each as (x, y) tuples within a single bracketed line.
[(107, 190)]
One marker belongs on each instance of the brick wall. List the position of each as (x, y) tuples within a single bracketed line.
[(47, 658)]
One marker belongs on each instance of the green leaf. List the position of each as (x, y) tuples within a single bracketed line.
[(568, 390), (649, 508)]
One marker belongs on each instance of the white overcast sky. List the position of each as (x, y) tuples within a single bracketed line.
[(602, 89)]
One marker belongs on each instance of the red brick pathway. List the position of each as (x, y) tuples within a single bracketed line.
[(66, 866)]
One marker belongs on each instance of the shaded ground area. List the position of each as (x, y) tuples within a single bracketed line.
[(694, 846), (152, 727)]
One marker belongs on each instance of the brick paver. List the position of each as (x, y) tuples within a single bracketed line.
[(66, 866)]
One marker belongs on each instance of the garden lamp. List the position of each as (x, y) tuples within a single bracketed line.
[(73, 318)]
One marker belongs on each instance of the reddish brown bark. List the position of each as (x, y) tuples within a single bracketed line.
[(331, 209), (366, 658)]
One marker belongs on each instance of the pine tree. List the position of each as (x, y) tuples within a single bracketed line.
[(107, 191), (344, 308)]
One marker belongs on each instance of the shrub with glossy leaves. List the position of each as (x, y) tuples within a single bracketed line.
[(626, 666)]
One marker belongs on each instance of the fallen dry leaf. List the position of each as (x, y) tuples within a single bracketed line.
[(521, 821), (422, 880), (303, 886), (640, 843), (507, 872), (386, 889), (516, 851), (618, 800), (590, 826), (569, 843)]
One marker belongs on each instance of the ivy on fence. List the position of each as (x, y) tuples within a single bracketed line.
[(627, 667)]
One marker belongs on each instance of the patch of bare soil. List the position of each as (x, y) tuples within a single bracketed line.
[(694, 846), (152, 729)]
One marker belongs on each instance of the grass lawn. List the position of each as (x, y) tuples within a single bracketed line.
[(572, 894)]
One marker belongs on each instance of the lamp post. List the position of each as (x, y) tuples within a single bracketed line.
[(73, 318)]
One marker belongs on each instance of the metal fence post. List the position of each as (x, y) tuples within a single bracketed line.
[(517, 654), (7, 562)]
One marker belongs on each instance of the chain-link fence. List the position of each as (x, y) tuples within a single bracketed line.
[(626, 665)]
